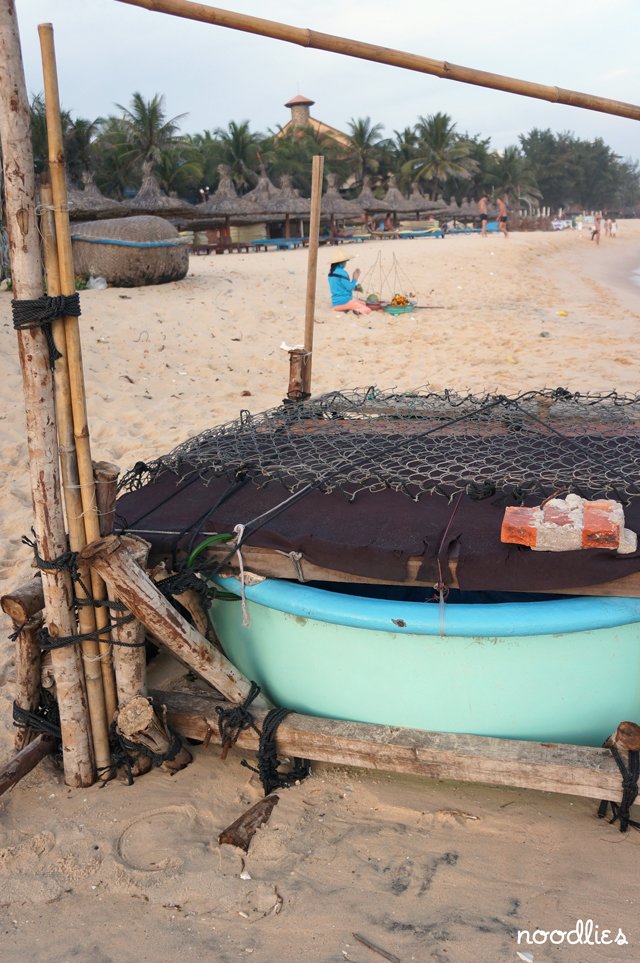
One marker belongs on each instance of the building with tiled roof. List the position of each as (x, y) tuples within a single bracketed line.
[(301, 118)]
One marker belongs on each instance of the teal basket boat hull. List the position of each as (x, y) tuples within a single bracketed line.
[(566, 670)]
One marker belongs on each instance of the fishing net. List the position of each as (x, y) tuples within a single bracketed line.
[(538, 442)]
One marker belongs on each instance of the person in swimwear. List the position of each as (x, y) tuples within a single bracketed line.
[(482, 205), (503, 215)]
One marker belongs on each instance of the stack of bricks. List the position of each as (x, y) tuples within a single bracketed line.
[(564, 525)]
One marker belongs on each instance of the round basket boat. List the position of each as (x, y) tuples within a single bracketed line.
[(130, 251), (566, 670)]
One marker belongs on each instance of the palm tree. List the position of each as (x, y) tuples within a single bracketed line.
[(79, 145), (365, 140), (513, 177), (440, 153), (240, 148), (147, 130), (39, 131)]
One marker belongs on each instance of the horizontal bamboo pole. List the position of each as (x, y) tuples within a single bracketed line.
[(550, 767), (304, 37)]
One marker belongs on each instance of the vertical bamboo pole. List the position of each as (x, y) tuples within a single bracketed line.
[(37, 381), (71, 491), (312, 266), (74, 349)]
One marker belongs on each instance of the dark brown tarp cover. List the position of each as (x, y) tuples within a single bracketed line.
[(372, 536)]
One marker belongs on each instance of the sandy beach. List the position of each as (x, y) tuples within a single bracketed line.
[(424, 870)]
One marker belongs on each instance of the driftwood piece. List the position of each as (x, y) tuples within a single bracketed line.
[(551, 767), (243, 829), (37, 382), (140, 724), (129, 656), (113, 562), (24, 607), (25, 760)]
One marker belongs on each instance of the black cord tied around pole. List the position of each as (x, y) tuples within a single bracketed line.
[(621, 810), (40, 312), (268, 761), (235, 720)]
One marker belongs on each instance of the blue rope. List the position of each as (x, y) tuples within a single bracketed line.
[(112, 240)]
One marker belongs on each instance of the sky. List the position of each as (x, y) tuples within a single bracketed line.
[(107, 50)]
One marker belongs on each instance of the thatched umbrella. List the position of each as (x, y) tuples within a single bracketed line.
[(367, 200), (90, 203), (225, 202), (262, 199), (394, 200), (290, 203), (419, 203), (468, 210), (335, 205), (151, 200)]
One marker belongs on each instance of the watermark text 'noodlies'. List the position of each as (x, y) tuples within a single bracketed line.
[(584, 933)]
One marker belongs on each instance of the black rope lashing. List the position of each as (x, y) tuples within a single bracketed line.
[(48, 642), (45, 718), (40, 312), (268, 761), (67, 561), (122, 758), (236, 719), (621, 811)]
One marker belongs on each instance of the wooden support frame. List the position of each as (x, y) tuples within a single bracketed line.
[(272, 564), (550, 767)]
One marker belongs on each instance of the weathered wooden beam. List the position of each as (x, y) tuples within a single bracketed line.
[(25, 760), (110, 558), (550, 767)]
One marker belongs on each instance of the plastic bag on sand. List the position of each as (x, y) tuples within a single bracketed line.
[(96, 284)]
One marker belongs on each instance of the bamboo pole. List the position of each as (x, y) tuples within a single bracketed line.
[(304, 37), (37, 381), (312, 270), (91, 521), (91, 657), (129, 657)]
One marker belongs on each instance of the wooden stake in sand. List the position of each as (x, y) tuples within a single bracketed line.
[(24, 607), (37, 381), (312, 270), (129, 655), (304, 37), (140, 725)]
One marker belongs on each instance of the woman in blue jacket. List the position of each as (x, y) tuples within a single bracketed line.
[(342, 288)]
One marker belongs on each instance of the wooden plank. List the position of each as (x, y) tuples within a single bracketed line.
[(111, 559), (551, 767), (273, 564)]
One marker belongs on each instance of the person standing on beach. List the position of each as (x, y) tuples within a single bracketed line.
[(597, 224), (503, 215), (614, 227), (482, 206)]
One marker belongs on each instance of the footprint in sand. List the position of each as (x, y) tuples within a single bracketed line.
[(166, 839)]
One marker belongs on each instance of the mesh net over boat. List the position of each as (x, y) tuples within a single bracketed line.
[(539, 442)]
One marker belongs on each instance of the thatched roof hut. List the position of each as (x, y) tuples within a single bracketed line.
[(225, 202), (468, 209), (264, 198), (334, 205), (90, 203), (394, 200), (129, 251), (367, 201), (419, 204), (150, 199)]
